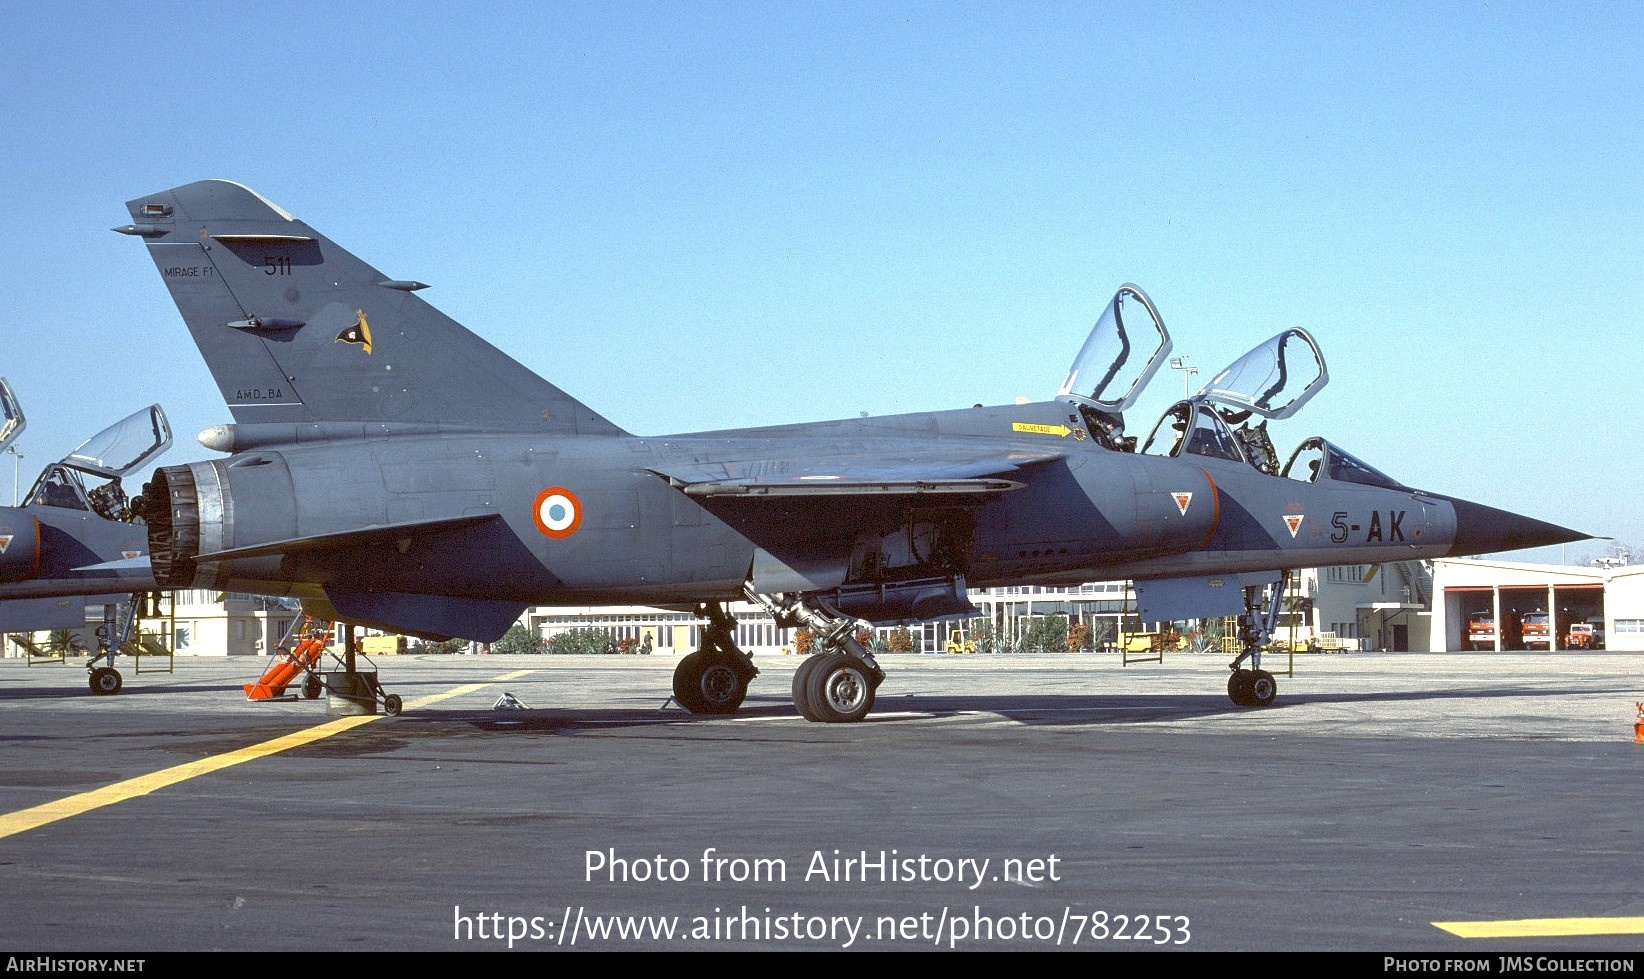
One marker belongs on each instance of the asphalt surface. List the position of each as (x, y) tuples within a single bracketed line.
[(1467, 804)]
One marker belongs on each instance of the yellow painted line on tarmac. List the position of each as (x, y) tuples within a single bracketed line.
[(47, 813), (1543, 927)]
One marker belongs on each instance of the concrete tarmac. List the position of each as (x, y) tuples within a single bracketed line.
[(1462, 803)]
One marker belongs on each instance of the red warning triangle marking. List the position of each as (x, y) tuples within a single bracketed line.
[(5, 542), (1294, 522), (1182, 500)]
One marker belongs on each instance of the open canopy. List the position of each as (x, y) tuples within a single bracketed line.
[(123, 446), (1125, 348), (1273, 380), (11, 416)]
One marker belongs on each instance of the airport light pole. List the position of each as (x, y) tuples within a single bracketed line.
[(1180, 364)]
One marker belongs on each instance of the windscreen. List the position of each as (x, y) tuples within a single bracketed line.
[(1337, 464)]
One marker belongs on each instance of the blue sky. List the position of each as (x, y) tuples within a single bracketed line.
[(708, 215)]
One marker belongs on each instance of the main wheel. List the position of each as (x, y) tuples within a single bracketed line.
[(801, 680), (840, 689), (106, 680), (709, 684), (688, 679), (722, 687), (313, 687)]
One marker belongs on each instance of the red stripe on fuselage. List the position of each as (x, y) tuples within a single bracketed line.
[(1215, 508)]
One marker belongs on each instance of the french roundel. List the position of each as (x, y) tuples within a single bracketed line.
[(558, 512)]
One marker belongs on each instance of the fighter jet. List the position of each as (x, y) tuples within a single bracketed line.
[(396, 471), (75, 540)]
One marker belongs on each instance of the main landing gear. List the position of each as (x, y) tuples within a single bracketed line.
[(1256, 687), (833, 686), (836, 685), (715, 678)]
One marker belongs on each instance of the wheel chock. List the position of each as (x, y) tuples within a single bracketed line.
[(1638, 725), (508, 702)]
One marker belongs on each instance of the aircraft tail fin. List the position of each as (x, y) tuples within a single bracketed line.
[(299, 332)]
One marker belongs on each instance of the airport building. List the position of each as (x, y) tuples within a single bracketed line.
[(211, 623), (1487, 603), (1412, 605), (1340, 608), (1397, 607), (198, 622)]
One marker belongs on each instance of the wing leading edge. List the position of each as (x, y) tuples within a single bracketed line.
[(922, 472)]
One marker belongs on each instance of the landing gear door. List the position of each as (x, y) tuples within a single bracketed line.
[(123, 446), (1124, 350), (11, 416), (1274, 380)]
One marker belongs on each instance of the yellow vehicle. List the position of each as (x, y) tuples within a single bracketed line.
[(382, 645)]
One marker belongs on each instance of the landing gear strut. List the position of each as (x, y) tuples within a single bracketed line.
[(1256, 687), (714, 679), (118, 623), (836, 685)]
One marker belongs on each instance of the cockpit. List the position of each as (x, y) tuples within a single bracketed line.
[(1271, 381), (1226, 419), (112, 453), (1193, 428), (1316, 456)]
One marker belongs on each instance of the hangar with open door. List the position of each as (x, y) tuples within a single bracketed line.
[(1501, 605)]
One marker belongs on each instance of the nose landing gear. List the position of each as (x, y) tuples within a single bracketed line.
[(1256, 687)]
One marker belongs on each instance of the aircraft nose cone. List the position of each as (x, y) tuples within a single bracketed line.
[(1484, 529)]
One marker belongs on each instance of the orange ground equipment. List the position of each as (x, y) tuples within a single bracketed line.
[(297, 654)]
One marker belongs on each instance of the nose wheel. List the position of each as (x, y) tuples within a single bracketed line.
[(1252, 688), (106, 680)]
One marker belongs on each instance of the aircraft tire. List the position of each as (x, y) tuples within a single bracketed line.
[(687, 681), (392, 705), (801, 677), (709, 684), (1262, 688), (312, 688), (840, 690), (722, 687), (1238, 688), (106, 680)]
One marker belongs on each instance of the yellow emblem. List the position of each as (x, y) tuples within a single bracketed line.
[(358, 334)]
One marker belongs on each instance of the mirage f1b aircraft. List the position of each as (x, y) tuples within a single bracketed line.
[(396, 471), (76, 540)]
